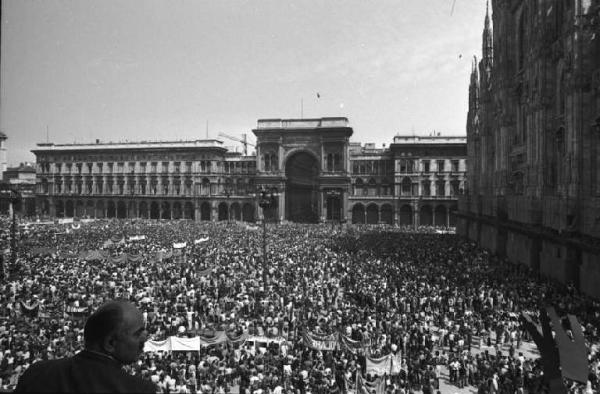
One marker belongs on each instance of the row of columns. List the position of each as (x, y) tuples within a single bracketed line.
[(132, 208), (129, 185), (415, 212)]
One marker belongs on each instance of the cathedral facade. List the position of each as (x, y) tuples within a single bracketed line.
[(313, 170), (533, 139)]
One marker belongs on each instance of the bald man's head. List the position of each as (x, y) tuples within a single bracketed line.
[(117, 329)]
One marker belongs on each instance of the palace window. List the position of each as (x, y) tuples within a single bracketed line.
[(425, 165), (441, 165), (426, 188), (440, 187), (454, 165), (406, 186)]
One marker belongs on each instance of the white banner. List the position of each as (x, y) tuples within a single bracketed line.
[(199, 241), (179, 245), (185, 344), (137, 238)]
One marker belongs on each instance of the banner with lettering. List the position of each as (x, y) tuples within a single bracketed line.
[(379, 366), (320, 342), (136, 238)]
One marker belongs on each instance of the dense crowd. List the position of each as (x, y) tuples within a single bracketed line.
[(439, 302)]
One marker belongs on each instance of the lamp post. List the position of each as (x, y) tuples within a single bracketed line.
[(266, 200), (333, 195), (228, 191)]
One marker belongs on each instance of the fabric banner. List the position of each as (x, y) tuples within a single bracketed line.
[(96, 255), (160, 256), (236, 338), (122, 258), (219, 337), (43, 251), (194, 344), (205, 272), (157, 346), (65, 221), (185, 344), (379, 366), (136, 238), (179, 245), (134, 257), (320, 342), (259, 338), (77, 310), (30, 310), (350, 344), (117, 239), (199, 241), (365, 387)]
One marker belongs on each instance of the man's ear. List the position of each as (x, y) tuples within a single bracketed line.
[(109, 343)]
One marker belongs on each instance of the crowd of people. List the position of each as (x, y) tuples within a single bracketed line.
[(437, 301)]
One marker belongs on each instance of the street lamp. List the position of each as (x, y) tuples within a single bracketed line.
[(228, 191), (266, 200), (333, 196)]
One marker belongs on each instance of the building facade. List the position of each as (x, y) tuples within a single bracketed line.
[(314, 170), (21, 179), (533, 133), (3, 159)]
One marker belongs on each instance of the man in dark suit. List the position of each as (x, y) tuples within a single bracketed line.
[(114, 336)]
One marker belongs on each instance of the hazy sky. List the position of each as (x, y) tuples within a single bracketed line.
[(161, 69)]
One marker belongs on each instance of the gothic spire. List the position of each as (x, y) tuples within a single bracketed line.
[(474, 86), (488, 46)]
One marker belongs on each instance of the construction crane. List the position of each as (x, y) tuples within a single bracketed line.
[(243, 141)]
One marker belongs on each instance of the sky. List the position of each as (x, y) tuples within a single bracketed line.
[(133, 70)]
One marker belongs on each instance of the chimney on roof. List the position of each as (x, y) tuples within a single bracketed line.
[(97, 141)]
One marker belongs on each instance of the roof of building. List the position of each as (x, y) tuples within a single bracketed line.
[(3, 136), (430, 139), (312, 123), (22, 167), (50, 146)]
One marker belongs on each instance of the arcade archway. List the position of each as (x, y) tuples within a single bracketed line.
[(302, 192)]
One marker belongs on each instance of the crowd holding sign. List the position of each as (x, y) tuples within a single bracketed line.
[(343, 310)]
